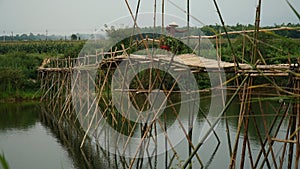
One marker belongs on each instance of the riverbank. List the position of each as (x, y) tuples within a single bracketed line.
[(22, 96)]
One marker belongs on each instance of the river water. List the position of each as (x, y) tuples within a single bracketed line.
[(26, 142), (30, 143)]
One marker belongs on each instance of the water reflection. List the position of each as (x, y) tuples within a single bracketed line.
[(18, 116), (214, 153), (59, 142), (26, 143)]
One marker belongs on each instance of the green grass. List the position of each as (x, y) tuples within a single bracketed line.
[(3, 162)]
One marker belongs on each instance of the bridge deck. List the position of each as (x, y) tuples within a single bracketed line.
[(194, 62)]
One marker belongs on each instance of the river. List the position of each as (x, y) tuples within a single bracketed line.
[(29, 143), (26, 142)]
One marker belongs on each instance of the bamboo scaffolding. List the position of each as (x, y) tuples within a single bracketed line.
[(56, 85), (56, 78)]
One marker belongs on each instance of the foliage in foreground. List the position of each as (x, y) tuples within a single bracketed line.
[(3, 162)]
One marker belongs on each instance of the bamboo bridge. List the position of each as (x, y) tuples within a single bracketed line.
[(153, 109), (57, 76)]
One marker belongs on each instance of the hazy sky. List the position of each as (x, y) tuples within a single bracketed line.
[(84, 16)]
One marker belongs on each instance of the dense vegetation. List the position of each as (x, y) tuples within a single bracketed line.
[(19, 62), (166, 43), (272, 48)]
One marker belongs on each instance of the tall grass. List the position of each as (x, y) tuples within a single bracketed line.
[(3, 162)]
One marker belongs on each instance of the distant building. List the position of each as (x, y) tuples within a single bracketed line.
[(171, 28)]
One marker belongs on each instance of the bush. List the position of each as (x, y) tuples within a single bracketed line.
[(18, 72)]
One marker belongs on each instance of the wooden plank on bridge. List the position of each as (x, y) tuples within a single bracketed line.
[(194, 62)]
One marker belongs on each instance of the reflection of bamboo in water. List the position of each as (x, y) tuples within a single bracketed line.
[(262, 150), (268, 138), (187, 161), (212, 156), (161, 125), (244, 107), (262, 144), (188, 134)]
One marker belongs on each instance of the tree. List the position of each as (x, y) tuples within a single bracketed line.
[(73, 37)]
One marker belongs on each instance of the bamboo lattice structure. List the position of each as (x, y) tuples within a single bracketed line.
[(56, 77), (84, 108)]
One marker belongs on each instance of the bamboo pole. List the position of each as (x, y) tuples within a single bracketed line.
[(188, 21), (256, 32), (199, 45), (163, 17), (228, 39)]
